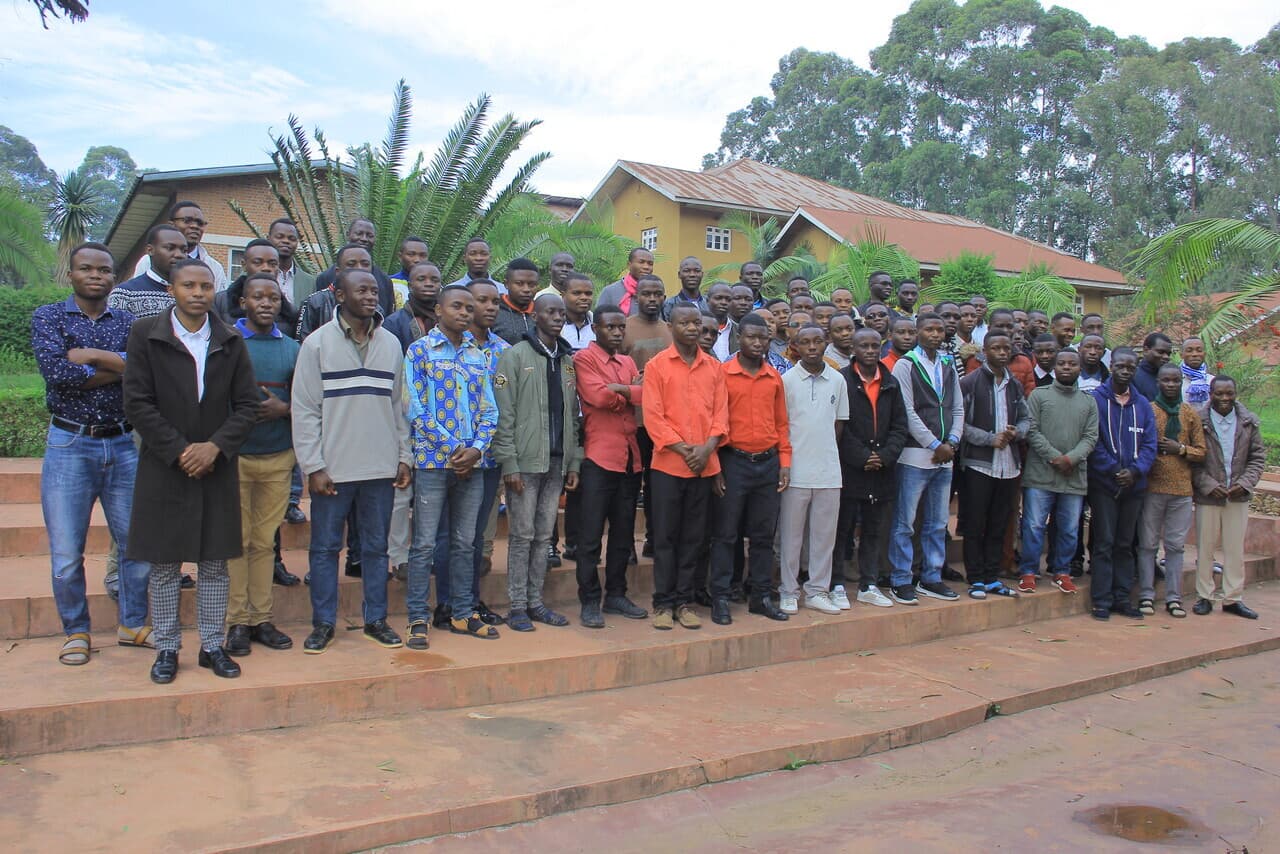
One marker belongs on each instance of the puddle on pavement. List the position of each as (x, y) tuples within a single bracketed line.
[(1140, 823), (419, 660), (513, 728)]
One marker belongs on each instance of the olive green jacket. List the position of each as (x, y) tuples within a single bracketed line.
[(522, 441)]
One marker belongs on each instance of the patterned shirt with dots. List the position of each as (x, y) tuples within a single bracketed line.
[(451, 403)]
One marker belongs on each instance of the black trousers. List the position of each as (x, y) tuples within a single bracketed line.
[(572, 521), (646, 462), (846, 523), (988, 503), (606, 496), (1114, 530), (679, 508), (750, 500)]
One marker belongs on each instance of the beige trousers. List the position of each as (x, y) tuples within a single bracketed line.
[(264, 495), (1221, 527)]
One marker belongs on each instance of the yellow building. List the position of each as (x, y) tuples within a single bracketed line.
[(676, 213)]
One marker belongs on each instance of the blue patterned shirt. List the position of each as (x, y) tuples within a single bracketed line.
[(62, 326), (451, 403)]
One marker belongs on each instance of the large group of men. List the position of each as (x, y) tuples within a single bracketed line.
[(781, 448)]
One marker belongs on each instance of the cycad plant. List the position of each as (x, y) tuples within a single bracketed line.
[(969, 273), (445, 201), (25, 255), (76, 207), (528, 229), (764, 240), (851, 264)]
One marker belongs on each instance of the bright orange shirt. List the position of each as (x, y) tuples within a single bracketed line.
[(684, 403), (871, 387), (757, 411)]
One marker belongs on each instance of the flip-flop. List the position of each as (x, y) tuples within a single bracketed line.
[(139, 637), (75, 650), (1175, 609)]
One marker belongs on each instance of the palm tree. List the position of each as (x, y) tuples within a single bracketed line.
[(445, 200), (77, 205), (528, 229), (851, 264), (1036, 287), (1175, 262), (25, 256), (764, 239)]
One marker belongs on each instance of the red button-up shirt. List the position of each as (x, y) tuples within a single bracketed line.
[(757, 411), (684, 403), (608, 418)]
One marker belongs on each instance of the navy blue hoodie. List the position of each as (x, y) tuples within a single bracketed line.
[(1126, 440)]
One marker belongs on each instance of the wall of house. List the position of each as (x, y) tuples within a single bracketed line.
[(693, 241), (637, 208)]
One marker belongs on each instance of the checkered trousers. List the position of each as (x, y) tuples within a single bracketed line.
[(211, 603)]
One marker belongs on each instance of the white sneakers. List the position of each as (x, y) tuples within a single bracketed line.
[(789, 605), (821, 602), (873, 596), (840, 598)]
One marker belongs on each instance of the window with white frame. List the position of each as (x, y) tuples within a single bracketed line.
[(649, 239), (1079, 303), (718, 239), (235, 264)]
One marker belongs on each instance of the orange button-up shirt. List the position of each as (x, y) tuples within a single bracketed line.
[(608, 418), (684, 403), (757, 411)]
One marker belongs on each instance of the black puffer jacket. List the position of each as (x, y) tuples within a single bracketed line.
[(883, 432)]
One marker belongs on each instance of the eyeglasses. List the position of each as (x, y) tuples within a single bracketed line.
[(191, 220)]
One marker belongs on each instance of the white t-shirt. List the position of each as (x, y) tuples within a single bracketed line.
[(815, 402)]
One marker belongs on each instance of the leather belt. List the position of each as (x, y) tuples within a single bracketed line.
[(754, 458), (93, 431)]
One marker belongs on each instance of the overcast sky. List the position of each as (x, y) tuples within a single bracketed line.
[(202, 84)]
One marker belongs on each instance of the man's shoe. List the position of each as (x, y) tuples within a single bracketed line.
[(1103, 614), (553, 557), (662, 619), (488, 616), (937, 590), (400, 572), (591, 616), (1127, 609), (702, 598), (543, 614), (569, 553), (1077, 568), (840, 598), (738, 594), (1063, 582), (282, 576), (765, 608), (624, 606), (519, 620), (720, 612), (1240, 610), (354, 569), (873, 596), (904, 594), (821, 602), (382, 634), (977, 590), (294, 515), (441, 617), (165, 669), (270, 637), (790, 604), (188, 583), (1202, 607), (1026, 584), (687, 618), (238, 640), (949, 574), (319, 640), (219, 662)]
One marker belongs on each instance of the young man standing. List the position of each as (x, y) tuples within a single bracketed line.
[(413, 251), (79, 345), (260, 256), (935, 423), (476, 256), (741, 302), (755, 466), (908, 296), (189, 393), (1093, 372), (979, 303), (452, 418), (1118, 467), (1195, 379), (779, 345), (880, 286), (995, 421), (647, 334), (686, 415), (559, 270), (515, 312), (265, 466), (869, 450), (1063, 329), (1156, 350), (1064, 429), (352, 442), (147, 294), (817, 407), (1044, 349), (578, 329), (839, 352), (1234, 461), (1094, 324), (189, 219), (536, 445), (877, 319), (609, 481), (361, 232), (902, 340), (317, 310), (719, 299), (751, 274), (690, 293), (1020, 366), (1167, 511), (622, 293), (296, 284)]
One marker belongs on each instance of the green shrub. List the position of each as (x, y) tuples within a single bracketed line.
[(23, 423), (1272, 441), (16, 308)]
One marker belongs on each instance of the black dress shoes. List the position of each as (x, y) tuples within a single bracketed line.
[(269, 636), (165, 670), (625, 607), (282, 576), (765, 607), (441, 617), (591, 617), (488, 616), (1127, 609), (1202, 607), (1240, 610), (319, 640), (354, 569), (720, 612), (219, 662), (238, 641)]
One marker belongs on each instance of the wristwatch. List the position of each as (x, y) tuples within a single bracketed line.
[(1182, 450)]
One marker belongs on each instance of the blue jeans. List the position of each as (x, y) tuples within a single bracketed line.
[(295, 487), (433, 491), (1037, 506), (78, 470), (492, 479), (934, 485), (328, 518)]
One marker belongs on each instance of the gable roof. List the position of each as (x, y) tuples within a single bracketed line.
[(844, 214)]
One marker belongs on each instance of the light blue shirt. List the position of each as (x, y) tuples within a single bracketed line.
[(1225, 428)]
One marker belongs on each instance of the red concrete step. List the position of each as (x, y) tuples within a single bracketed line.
[(110, 701), (20, 480), (333, 787)]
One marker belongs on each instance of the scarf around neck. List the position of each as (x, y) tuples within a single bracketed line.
[(1172, 408), (1197, 384), (629, 286)]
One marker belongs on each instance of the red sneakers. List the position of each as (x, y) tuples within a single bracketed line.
[(1064, 583), (1027, 583)]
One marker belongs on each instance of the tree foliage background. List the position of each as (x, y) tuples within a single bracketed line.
[(1032, 120)]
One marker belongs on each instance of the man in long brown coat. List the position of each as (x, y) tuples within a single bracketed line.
[(190, 393)]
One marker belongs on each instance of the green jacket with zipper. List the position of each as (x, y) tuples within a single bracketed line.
[(522, 442)]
